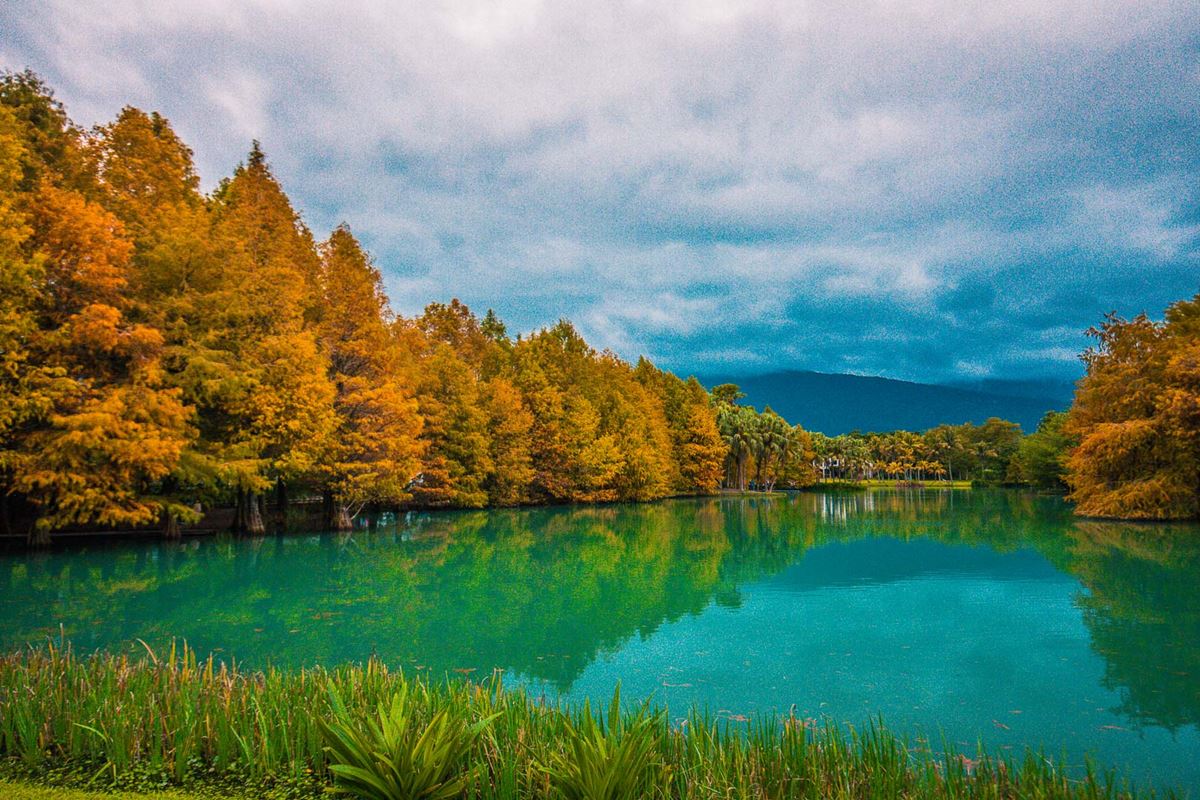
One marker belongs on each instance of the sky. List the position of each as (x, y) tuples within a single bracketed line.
[(937, 191)]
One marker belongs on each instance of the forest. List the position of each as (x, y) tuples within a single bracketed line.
[(165, 352), (765, 452)]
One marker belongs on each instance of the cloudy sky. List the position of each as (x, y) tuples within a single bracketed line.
[(932, 190)]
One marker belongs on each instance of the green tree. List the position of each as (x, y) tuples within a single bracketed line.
[(1040, 457), (457, 460)]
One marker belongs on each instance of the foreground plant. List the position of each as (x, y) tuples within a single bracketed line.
[(146, 722), (608, 759), (396, 758)]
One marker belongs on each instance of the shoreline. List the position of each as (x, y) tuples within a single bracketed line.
[(218, 525)]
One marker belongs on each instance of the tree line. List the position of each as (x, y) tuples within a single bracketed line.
[(163, 350), (765, 452), (1128, 447), (995, 452)]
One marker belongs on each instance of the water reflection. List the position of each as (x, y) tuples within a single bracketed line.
[(1143, 612), (543, 593)]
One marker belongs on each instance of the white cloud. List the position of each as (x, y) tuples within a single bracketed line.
[(1139, 217), (667, 173)]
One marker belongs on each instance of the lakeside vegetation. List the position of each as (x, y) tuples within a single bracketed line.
[(156, 722), (765, 453), (1136, 417), (164, 353), (994, 452)]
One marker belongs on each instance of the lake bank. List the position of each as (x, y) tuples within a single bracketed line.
[(302, 517)]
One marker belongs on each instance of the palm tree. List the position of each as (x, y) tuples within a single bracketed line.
[(739, 427)]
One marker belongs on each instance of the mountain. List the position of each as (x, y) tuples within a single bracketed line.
[(1041, 389), (834, 404)]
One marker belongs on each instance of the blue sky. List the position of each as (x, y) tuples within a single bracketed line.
[(933, 191)]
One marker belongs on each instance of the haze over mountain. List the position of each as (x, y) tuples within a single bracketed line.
[(834, 404)]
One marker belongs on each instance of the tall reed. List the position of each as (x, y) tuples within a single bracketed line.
[(190, 721)]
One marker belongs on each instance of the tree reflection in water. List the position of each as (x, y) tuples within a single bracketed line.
[(544, 592)]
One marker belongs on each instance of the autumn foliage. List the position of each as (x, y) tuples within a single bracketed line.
[(1137, 417), (164, 352)]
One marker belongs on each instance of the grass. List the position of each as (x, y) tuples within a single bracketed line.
[(27, 791), (173, 721)]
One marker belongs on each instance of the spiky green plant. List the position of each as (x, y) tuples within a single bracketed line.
[(394, 757), (609, 759)]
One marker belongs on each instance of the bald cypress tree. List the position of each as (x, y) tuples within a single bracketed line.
[(698, 451), (144, 175), (457, 458), (376, 446), (19, 278), (1137, 417), (510, 424), (111, 428), (97, 427), (252, 364)]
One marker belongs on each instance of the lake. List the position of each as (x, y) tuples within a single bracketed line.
[(969, 617)]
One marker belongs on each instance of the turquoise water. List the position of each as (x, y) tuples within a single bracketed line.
[(969, 616)]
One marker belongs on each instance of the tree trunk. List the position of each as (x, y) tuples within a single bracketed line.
[(254, 516), (337, 514), (37, 536), (247, 518), (170, 526), (281, 504), (5, 522), (342, 521), (239, 512)]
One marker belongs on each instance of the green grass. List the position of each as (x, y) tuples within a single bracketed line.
[(27, 791), (161, 722)]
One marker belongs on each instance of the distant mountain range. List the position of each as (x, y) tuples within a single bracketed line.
[(834, 404)]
